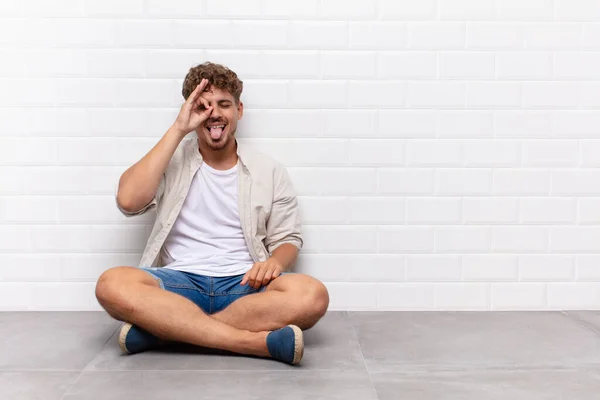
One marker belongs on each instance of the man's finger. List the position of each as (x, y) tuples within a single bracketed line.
[(246, 277), (192, 97), (253, 272), (268, 276), (260, 276)]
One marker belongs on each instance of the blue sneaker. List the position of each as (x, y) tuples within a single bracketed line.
[(135, 340), (286, 344)]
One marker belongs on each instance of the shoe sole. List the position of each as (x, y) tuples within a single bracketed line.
[(123, 336), (298, 344)]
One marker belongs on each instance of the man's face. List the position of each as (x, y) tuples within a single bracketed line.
[(220, 127)]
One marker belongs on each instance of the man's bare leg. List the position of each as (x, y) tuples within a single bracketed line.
[(129, 294), (289, 299)]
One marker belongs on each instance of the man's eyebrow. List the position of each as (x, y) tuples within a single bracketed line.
[(224, 101)]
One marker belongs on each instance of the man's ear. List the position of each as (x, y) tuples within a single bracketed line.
[(240, 110)]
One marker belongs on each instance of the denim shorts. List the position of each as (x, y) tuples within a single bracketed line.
[(211, 294)]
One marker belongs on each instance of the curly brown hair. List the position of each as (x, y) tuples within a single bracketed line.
[(218, 75)]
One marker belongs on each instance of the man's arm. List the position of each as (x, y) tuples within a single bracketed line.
[(285, 255), (139, 184)]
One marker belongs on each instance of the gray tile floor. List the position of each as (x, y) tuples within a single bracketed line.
[(355, 355)]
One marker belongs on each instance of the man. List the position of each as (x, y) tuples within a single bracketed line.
[(215, 270)]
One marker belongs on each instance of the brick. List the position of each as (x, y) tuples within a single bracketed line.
[(100, 151), (233, 8), (524, 124), (405, 239), (289, 64), (201, 33), (456, 181), (548, 210), (550, 95), (436, 94), (575, 182), (490, 210), (342, 9), (30, 268), (278, 8), (574, 296), (114, 8), (524, 65), (377, 152), (28, 151), (174, 8), (573, 239), (265, 94), (489, 267), (350, 239), (525, 10), (588, 94), (406, 123), (338, 64), (587, 267), (467, 239), (377, 94), (553, 36), (491, 153), (467, 65), (467, 10), (493, 95), (334, 181), (346, 123), (545, 268), (89, 267), (404, 296), (28, 209), (433, 211), (407, 65), (436, 35), (575, 124), (575, 65), (154, 33), (352, 296), (408, 10), (250, 64), (322, 210), (433, 268), (465, 124), (431, 153), (318, 34), (524, 239), (260, 34), (351, 268), (521, 296), (577, 10), (318, 94), (521, 182), (265, 123), (378, 35), (588, 211), (405, 181), (463, 296), (550, 153), (303, 152), (369, 210), (494, 36)]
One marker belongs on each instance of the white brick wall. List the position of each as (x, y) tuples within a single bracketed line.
[(445, 152)]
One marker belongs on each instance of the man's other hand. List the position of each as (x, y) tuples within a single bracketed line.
[(262, 273)]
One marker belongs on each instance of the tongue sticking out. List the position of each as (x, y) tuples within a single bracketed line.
[(215, 133)]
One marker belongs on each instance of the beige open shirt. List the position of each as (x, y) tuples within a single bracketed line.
[(268, 206)]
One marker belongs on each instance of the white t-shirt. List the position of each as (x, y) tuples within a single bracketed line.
[(207, 237)]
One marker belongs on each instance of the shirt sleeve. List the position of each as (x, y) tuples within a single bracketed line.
[(283, 225)]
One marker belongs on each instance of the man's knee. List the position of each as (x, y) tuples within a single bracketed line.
[(315, 301), (112, 288)]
